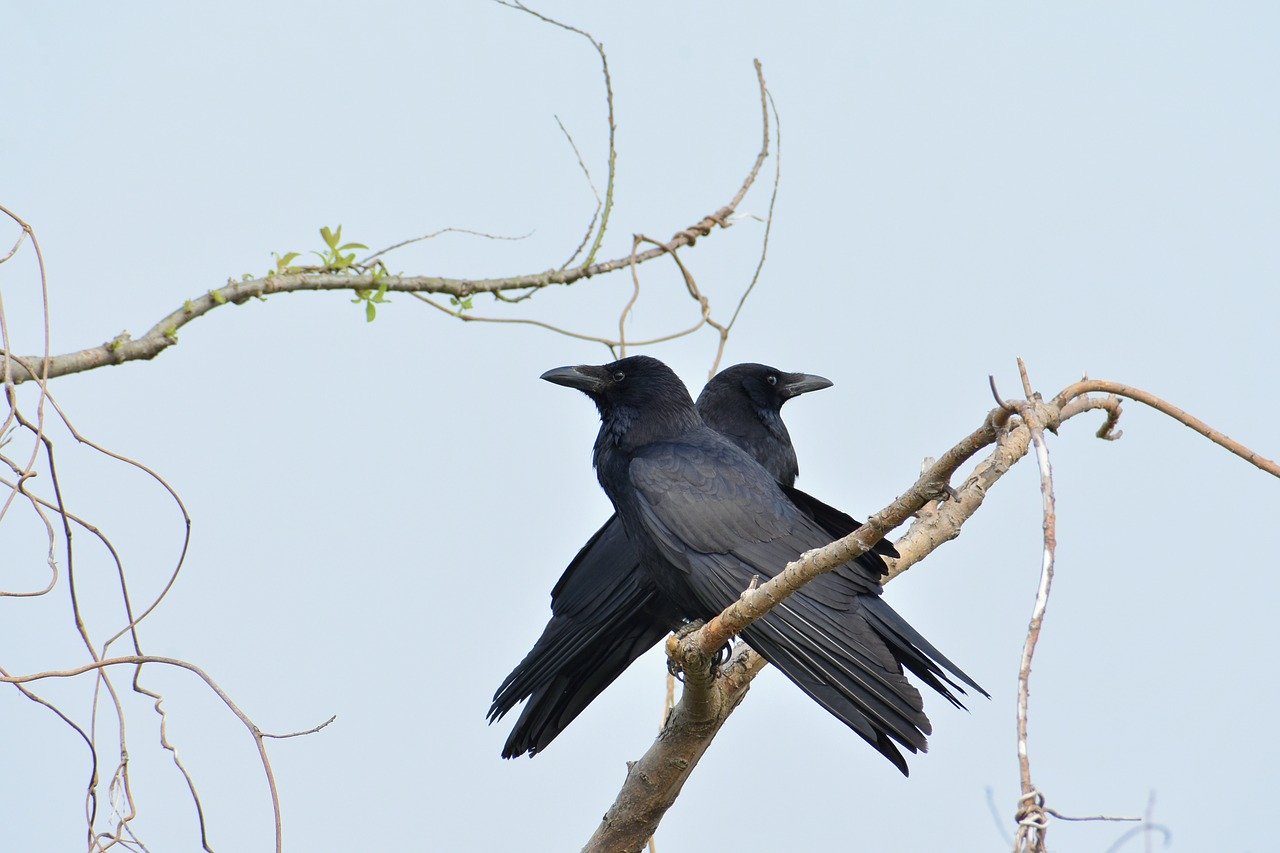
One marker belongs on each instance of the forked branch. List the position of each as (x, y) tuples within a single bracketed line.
[(164, 333), (940, 511)]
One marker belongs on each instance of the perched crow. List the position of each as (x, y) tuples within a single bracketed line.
[(605, 612), (706, 518)]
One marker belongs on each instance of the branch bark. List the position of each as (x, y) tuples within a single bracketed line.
[(654, 782)]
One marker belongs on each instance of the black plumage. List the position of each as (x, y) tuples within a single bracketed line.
[(605, 612), (706, 518)]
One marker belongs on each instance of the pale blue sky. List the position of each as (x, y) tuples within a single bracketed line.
[(381, 509)]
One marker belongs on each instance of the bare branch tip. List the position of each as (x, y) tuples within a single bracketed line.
[(991, 380), (1026, 380)]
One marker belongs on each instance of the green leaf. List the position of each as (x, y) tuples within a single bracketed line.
[(283, 262), (218, 297), (370, 311), (346, 246)]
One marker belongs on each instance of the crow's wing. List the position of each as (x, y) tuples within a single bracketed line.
[(719, 519), (606, 613), (908, 646), (839, 525)]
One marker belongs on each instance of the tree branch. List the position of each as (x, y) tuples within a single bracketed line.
[(654, 782), (1087, 386), (164, 333), (1033, 823), (137, 660)]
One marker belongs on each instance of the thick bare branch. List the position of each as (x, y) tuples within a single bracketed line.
[(644, 799), (654, 782)]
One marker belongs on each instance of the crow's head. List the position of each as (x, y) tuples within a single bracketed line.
[(766, 387), (639, 381), (640, 399)]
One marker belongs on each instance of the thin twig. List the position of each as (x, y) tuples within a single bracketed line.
[(1032, 823), (1088, 386), (157, 705), (91, 805), (451, 230), (522, 321), (135, 660), (636, 239), (595, 215), (1110, 404), (22, 235), (768, 229), (309, 731), (1100, 817), (613, 127), (178, 502), (1026, 380)]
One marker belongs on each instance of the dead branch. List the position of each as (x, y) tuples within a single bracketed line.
[(764, 241), (654, 782), (137, 660), (618, 346), (645, 797), (1033, 823), (1119, 389), (613, 129)]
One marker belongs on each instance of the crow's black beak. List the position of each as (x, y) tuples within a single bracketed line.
[(795, 384), (582, 377)]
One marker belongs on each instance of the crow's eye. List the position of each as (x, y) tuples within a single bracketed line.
[(771, 379), (619, 376)]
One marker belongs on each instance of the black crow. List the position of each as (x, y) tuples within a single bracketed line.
[(706, 519), (605, 612)]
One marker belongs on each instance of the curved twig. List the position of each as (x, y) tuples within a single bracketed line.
[(595, 215), (136, 660), (613, 127), (368, 259), (768, 221), (1087, 386), (520, 321)]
